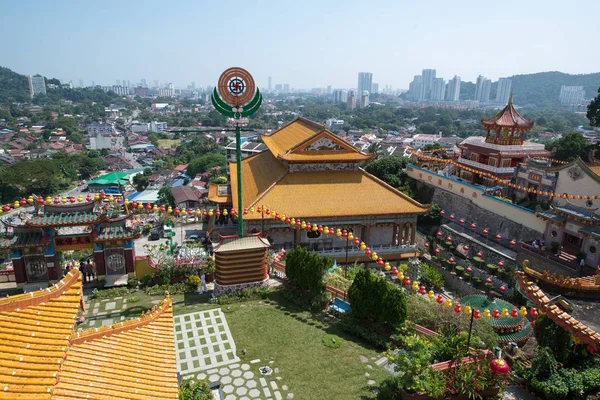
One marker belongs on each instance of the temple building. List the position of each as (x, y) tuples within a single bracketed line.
[(43, 357), (309, 173), (503, 148), (36, 242)]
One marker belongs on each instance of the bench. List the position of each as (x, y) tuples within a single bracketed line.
[(340, 306)]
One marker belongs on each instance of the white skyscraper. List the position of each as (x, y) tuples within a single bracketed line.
[(416, 90), (438, 88), (482, 89), (374, 88), (37, 85), (365, 81), (428, 77), (570, 95), (453, 89), (340, 96), (270, 83), (503, 92)]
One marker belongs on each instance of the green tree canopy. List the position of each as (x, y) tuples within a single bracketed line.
[(593, 111), (141, 182), (305, 271), (570, 147), (206, 162)]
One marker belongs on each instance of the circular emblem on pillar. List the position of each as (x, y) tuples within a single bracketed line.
[(236, 86)]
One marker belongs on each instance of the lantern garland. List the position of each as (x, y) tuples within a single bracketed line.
[(507, 183)]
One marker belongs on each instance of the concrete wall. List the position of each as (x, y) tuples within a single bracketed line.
[(574, 180), (381, 235), (469, 202)]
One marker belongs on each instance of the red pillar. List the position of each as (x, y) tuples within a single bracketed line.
[(99, 260), (19, 267), (130, 260)]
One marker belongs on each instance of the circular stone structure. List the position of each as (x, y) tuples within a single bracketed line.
[(509, 329)]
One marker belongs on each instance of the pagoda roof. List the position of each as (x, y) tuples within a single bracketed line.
[(116, 232), (316, 193), (25, 239), (126, 361), (35, 329), (550, 216), (236, 243), (65, 218), (291, 135), (577, 212), (508, 118)]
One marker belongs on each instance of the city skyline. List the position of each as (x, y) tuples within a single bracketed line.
[(194, 47)]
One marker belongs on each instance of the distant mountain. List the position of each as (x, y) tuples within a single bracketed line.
[(13, 87), (540, 90)]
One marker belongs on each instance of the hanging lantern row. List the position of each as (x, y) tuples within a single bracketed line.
[(473, 226), (510, 184)]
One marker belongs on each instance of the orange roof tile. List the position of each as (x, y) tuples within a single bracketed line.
[(34, 336), (595, 168), (216, 197), (130, 360), (291, 135), (331, 148)]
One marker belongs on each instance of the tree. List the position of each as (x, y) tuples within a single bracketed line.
[(206, 162), (570, 147), (391, 171), (141, 182), (549, 334), (219, 180), (166, 196), (305, 271), (147, 171), (593, 111), (434, 146)]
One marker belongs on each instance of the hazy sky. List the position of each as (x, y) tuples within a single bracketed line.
[(306, 43)]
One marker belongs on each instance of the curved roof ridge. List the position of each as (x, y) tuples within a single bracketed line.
[(145, 319), (393, 189), (38, 297), (508, 117)]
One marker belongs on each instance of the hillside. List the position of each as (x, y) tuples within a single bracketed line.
[(13, 87)]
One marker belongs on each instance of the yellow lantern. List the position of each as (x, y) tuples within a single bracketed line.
[(293, 221), (210, 212), (303, 225), (16, 204), (140, 206), (183, 211), (523, 311), (111, 198), (198, 212), (314, 228), (374, 256), (468, 310), (363, 246), (97, 197), (155, 208), (63, 200), (350, 236), (80, 198), (30, 199), (431, 295), (448, 303), (225, 212), (387, 266), (282, 218), (400, 276), (48, 200), (170, 209), (415, 285), (505, 312), (126, 202), (338, 232), (251, 209)]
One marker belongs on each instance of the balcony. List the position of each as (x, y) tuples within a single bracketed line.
[(485, 167)]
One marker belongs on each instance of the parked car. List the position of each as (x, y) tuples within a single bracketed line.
[(154, 235), (194, 238)]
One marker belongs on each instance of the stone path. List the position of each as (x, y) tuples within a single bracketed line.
[(203, 341), (104, 312)]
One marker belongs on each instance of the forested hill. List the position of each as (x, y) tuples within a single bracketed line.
[(541, 90), (13, 87)]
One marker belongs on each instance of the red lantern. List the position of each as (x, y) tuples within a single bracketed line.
[(533, 312), (473, 226), (439, 299), (437, 251), (476, 314), (368, 251), (259, 209), (148, 206), (502, 289), (488, 280), (479, 255), (190, 212), (218, 213), (442, 213), (204, 212), (439, 234), (356, 241), (308, 226), (163, 209), (71, 199), (119, 200), (448, 239), (512, 243), (232, 212), (268, 211), (380, 262), (426, 245), (423, 291), (331, 231), (134, 204), (457, 308), (499, 366), (24, 201), (469, 270), (287, 220), (6, 207), (452, 217), (245, 211), (500, 264), (41, 200), (320, 229), (406, 281), (103, 196), (485, 232), (56, 200), (344, 233), (451, 260), (498, 237), (462, 221), (514, 313), (466, 248), (496, 313), (88, 197), (276, 215), (176, 211)]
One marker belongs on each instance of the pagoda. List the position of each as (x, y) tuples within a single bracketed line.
[(501, 151), (309, 173), (37, 240)]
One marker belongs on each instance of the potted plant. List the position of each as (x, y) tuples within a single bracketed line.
[(459, 270), (210, 270), (492, 269), (325, 300)]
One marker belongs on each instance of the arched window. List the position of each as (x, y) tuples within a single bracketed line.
[(115, 264), (36, 270)]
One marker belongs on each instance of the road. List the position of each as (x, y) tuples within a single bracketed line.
[(180, 231)]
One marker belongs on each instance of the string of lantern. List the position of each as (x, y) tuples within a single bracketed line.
[(507, 183)]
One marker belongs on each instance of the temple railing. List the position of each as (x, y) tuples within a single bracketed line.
[(485, 167)]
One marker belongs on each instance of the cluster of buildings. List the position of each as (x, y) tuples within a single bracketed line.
[(358, 97)]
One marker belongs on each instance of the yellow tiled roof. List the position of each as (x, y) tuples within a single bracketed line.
[(595, 168), (34, 337), (129, 361), (291, 135), (215, 197), (309, 194), (325, 155)]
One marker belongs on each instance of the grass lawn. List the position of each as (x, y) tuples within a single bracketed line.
[(168, 142), (294, 340)]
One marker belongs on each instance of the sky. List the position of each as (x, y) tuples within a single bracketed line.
[(306, 43)]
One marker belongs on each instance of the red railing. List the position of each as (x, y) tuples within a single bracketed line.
[(337, 292)]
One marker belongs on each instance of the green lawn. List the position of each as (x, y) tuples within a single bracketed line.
[(294, 340)]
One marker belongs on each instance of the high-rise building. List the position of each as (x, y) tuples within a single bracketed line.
[(503, 92), (340, 96), (438, 89), (193, 85), (278, 87), (269, 86), (428, 77), (81, 83), (143, 84), (37, 85), (118, 82), (328, 89), (352, 99), (286, 87), (482, 89), (365, 80), (570, 95), (364, 99), (453, 89), (375, 88), (416, 90)]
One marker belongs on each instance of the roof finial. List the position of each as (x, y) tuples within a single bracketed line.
[(510, 99)]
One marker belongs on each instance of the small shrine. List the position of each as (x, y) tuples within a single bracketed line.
[(241, 263), (38, 239), (501, 151)]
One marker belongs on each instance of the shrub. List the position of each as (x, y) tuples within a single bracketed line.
[(304, 270), (351, 326), (431, 277), (198, 390), (109, 293), (493, 269), (549, 334), (243, 295), (178, 288), (337, 281), (332, 341), (459, 270), (132, 281), (477, 282), (133, 299)]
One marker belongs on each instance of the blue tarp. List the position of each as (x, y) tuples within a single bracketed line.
[(133, 196), (175, 183)]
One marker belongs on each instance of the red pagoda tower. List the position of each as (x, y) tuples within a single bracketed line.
[(501, 150)]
